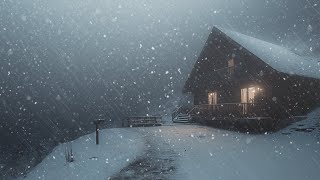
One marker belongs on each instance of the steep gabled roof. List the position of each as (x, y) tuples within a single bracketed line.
[(278, 57)]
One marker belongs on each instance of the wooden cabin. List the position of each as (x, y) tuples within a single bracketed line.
[(241, 77)]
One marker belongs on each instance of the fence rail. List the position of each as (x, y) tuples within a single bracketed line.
[(180, 110), (265, 108), (230, 109), (134, 121)]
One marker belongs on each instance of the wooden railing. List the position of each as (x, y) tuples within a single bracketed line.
[(265, 109), (136, 121), (176, 112), (230, 109), (180, 110)]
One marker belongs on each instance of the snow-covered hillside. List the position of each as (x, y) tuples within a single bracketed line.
[(191, 152), (208, 153), (118, 147)]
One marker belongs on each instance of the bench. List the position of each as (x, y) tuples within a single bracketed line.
[(142, 121)]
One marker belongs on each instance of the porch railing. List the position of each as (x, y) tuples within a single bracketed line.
[(230, 109), (180, 110)]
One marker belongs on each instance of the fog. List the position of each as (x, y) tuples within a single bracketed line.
[(63, 63)]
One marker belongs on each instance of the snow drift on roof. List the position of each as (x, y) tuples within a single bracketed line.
[(278, 57)]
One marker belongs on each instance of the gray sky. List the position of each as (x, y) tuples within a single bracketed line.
[(62, 59)]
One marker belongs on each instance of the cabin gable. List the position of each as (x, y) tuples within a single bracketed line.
[(225, 67), (226, 72)]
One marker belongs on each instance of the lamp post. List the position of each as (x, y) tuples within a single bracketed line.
[(97, 122)]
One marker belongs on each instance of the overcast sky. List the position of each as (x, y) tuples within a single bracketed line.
[(59, 57)]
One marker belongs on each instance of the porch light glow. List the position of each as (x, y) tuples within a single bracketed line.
[(248, 94), (212, 98)]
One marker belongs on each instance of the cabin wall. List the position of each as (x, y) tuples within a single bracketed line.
[(224, 95), (228, 95), (297, 94), (212, 72), (217, 51), (200, 98), (293, 93)]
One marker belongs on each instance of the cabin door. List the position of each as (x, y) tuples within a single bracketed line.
[(212, 98), (212, 101), (247, 98), (244, 100)]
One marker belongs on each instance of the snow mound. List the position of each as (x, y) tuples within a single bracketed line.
[(278, 57), (209, 153), (309, 126), (118, 148)]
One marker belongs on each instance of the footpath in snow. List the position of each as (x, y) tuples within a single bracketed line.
[(158, 161)]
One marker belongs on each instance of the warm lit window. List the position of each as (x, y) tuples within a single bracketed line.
[(249, 95), (212, 98)]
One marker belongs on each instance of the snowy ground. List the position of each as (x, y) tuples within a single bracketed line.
[(118, 147), (207, 153), (194, 152), (198, 152)]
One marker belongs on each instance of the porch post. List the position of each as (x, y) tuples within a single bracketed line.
[(247, 104)]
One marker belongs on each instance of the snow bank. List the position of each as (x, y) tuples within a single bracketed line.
[(208, 153), (278, 57), (193, 152), (118, 148)]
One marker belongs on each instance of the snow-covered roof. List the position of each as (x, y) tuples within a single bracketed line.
[(278, 57)]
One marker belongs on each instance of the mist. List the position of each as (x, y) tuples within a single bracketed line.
[(63, 63)]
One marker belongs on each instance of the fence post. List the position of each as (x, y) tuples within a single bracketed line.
[(97, 133), (97, 123)]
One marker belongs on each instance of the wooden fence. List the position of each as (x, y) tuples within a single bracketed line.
[(142, 121)]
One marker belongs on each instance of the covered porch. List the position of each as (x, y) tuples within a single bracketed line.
[(244, 117), (239, 101), (239, 110)]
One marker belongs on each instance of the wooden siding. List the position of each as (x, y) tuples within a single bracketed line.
[(295, 93)]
